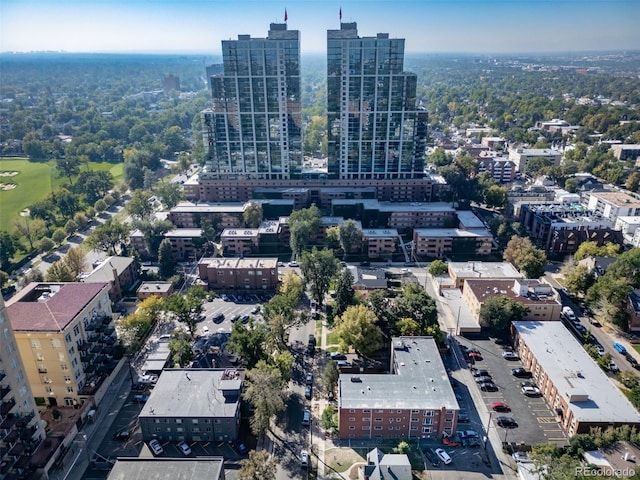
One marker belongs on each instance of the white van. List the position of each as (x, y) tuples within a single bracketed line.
[(443, 456)]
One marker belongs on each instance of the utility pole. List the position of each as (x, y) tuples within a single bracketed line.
[(486, 437)]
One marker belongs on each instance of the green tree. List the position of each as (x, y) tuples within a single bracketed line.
[(248, 342), (578, 278), (187, 309), (499, 312), (537, 166), (166, 261), (45, 245), (252, 215), (109, 236), (330, 377), (8, 248), (551, 463), (70, 227), (319, 267), (32, 230), (344, 292), (357, 328), (153, 232), (303, 225), (93, 184), (571, 185), (59, 235), (329, 419), (416, 303), (265, 390), (68, 166), (59, 272), (169, 194), (495, 196), (140, 205), (438, 267), (259, 466), (180, 348), (76, 261), (633, 182), (350, 237), (100, 205), (284, 361), (524, 255)]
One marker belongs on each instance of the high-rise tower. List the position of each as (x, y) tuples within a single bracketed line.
[(375, 130), (254, 130)]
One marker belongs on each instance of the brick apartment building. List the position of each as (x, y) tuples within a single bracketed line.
[(239, 273)]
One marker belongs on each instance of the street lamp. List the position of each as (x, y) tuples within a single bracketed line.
[(486, 437)]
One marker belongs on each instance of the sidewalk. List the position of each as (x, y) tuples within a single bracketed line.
[(92, 433)]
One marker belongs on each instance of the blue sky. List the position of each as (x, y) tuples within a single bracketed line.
[(197, 26)]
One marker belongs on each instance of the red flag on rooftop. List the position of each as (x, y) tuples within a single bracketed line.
[(340, 13), (286, 17)]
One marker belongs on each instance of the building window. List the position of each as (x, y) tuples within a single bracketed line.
[(427, 421), (48, 389), (377, 427), (365, 419), (414, 428), (76, 330), (178, 420), (64, 367), (67, 338), (352, 419), (377, 419), (426, 429), (366, 411), (55, 343), (414, 420), (39, 357), (351, 410), (35, 343), (194, 421), (67, 379), (428, 413), (69, 389), (351, 427), (415, 412), (366, 427), (61, 356)]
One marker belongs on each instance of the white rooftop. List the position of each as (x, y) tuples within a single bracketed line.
[(452, 232), (484, 270), (573, 372), (468, 219)]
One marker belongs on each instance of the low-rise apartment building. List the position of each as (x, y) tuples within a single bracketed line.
[(415, 401), (240, 241), (502, 170), (194, 405), (522, 156), (461, 271), (572, 384), (157, 289), (239, 273), (440, 242), (612, 205), (626, 152), (381, 243), (120, 273), (66, 336), (541, 299), (186, 243), (159, 468)]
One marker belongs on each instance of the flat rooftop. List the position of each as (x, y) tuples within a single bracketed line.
[(240, 233), (484, 270), (372, 204), (132, 468), (537, 293), (573, 371), (420, 381), (195, 393), (155, 287), (204, 207), (379, 232), (184, 233), (619, 199), (240, 263), (468, 219), (451, 232)]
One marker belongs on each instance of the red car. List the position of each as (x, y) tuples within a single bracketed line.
[(476, 356), (500, 407)]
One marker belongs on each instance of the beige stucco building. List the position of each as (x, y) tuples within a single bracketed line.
[(66, 336)]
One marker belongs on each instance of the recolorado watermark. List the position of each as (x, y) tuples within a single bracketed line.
[(605, 472)]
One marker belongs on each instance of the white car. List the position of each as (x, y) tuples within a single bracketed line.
[(293, 264), (184, 448), (531, 391), (443, 456), (304, 458), (155, 447), (205, 330), (600, 349)]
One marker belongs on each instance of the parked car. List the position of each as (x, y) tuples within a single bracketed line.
[(508, 355), (500, 407), (600, 349), (122, 436), (205, 330), (613, 367), (304, 458), (463, 417), (484, 379), (184, 448), (244, 318), (475, 356), (218, 317), (337, 356), (531, 391), (235, 318), (632, 361), (521, 457), (155, 447), (224, 297), (148, 378), (255, 310), (521, 373), (620, 348), (307, 392), (506, 422), (293, 264), (141, 398), (443, 456), (568, 313), (139, 387), (241, 447), (309, 379), (480, 372), (468, 434), (488, 387)]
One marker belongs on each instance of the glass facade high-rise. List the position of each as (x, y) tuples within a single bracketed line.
[(375, 129), (254, 130)]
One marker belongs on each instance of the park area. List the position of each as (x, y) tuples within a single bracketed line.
[(24, 182)]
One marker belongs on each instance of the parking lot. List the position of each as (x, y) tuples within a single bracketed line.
[(536, 422), (229, 308)]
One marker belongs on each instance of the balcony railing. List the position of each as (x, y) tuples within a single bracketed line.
[(6, 407), (4, 391)]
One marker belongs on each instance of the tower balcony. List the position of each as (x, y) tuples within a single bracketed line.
[(6, 406)]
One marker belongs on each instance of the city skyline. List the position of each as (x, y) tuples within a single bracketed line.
[(429, 26)]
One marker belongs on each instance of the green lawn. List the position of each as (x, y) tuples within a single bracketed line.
[(34, 182)]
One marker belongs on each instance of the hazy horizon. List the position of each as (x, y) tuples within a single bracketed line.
[(429, 26)]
